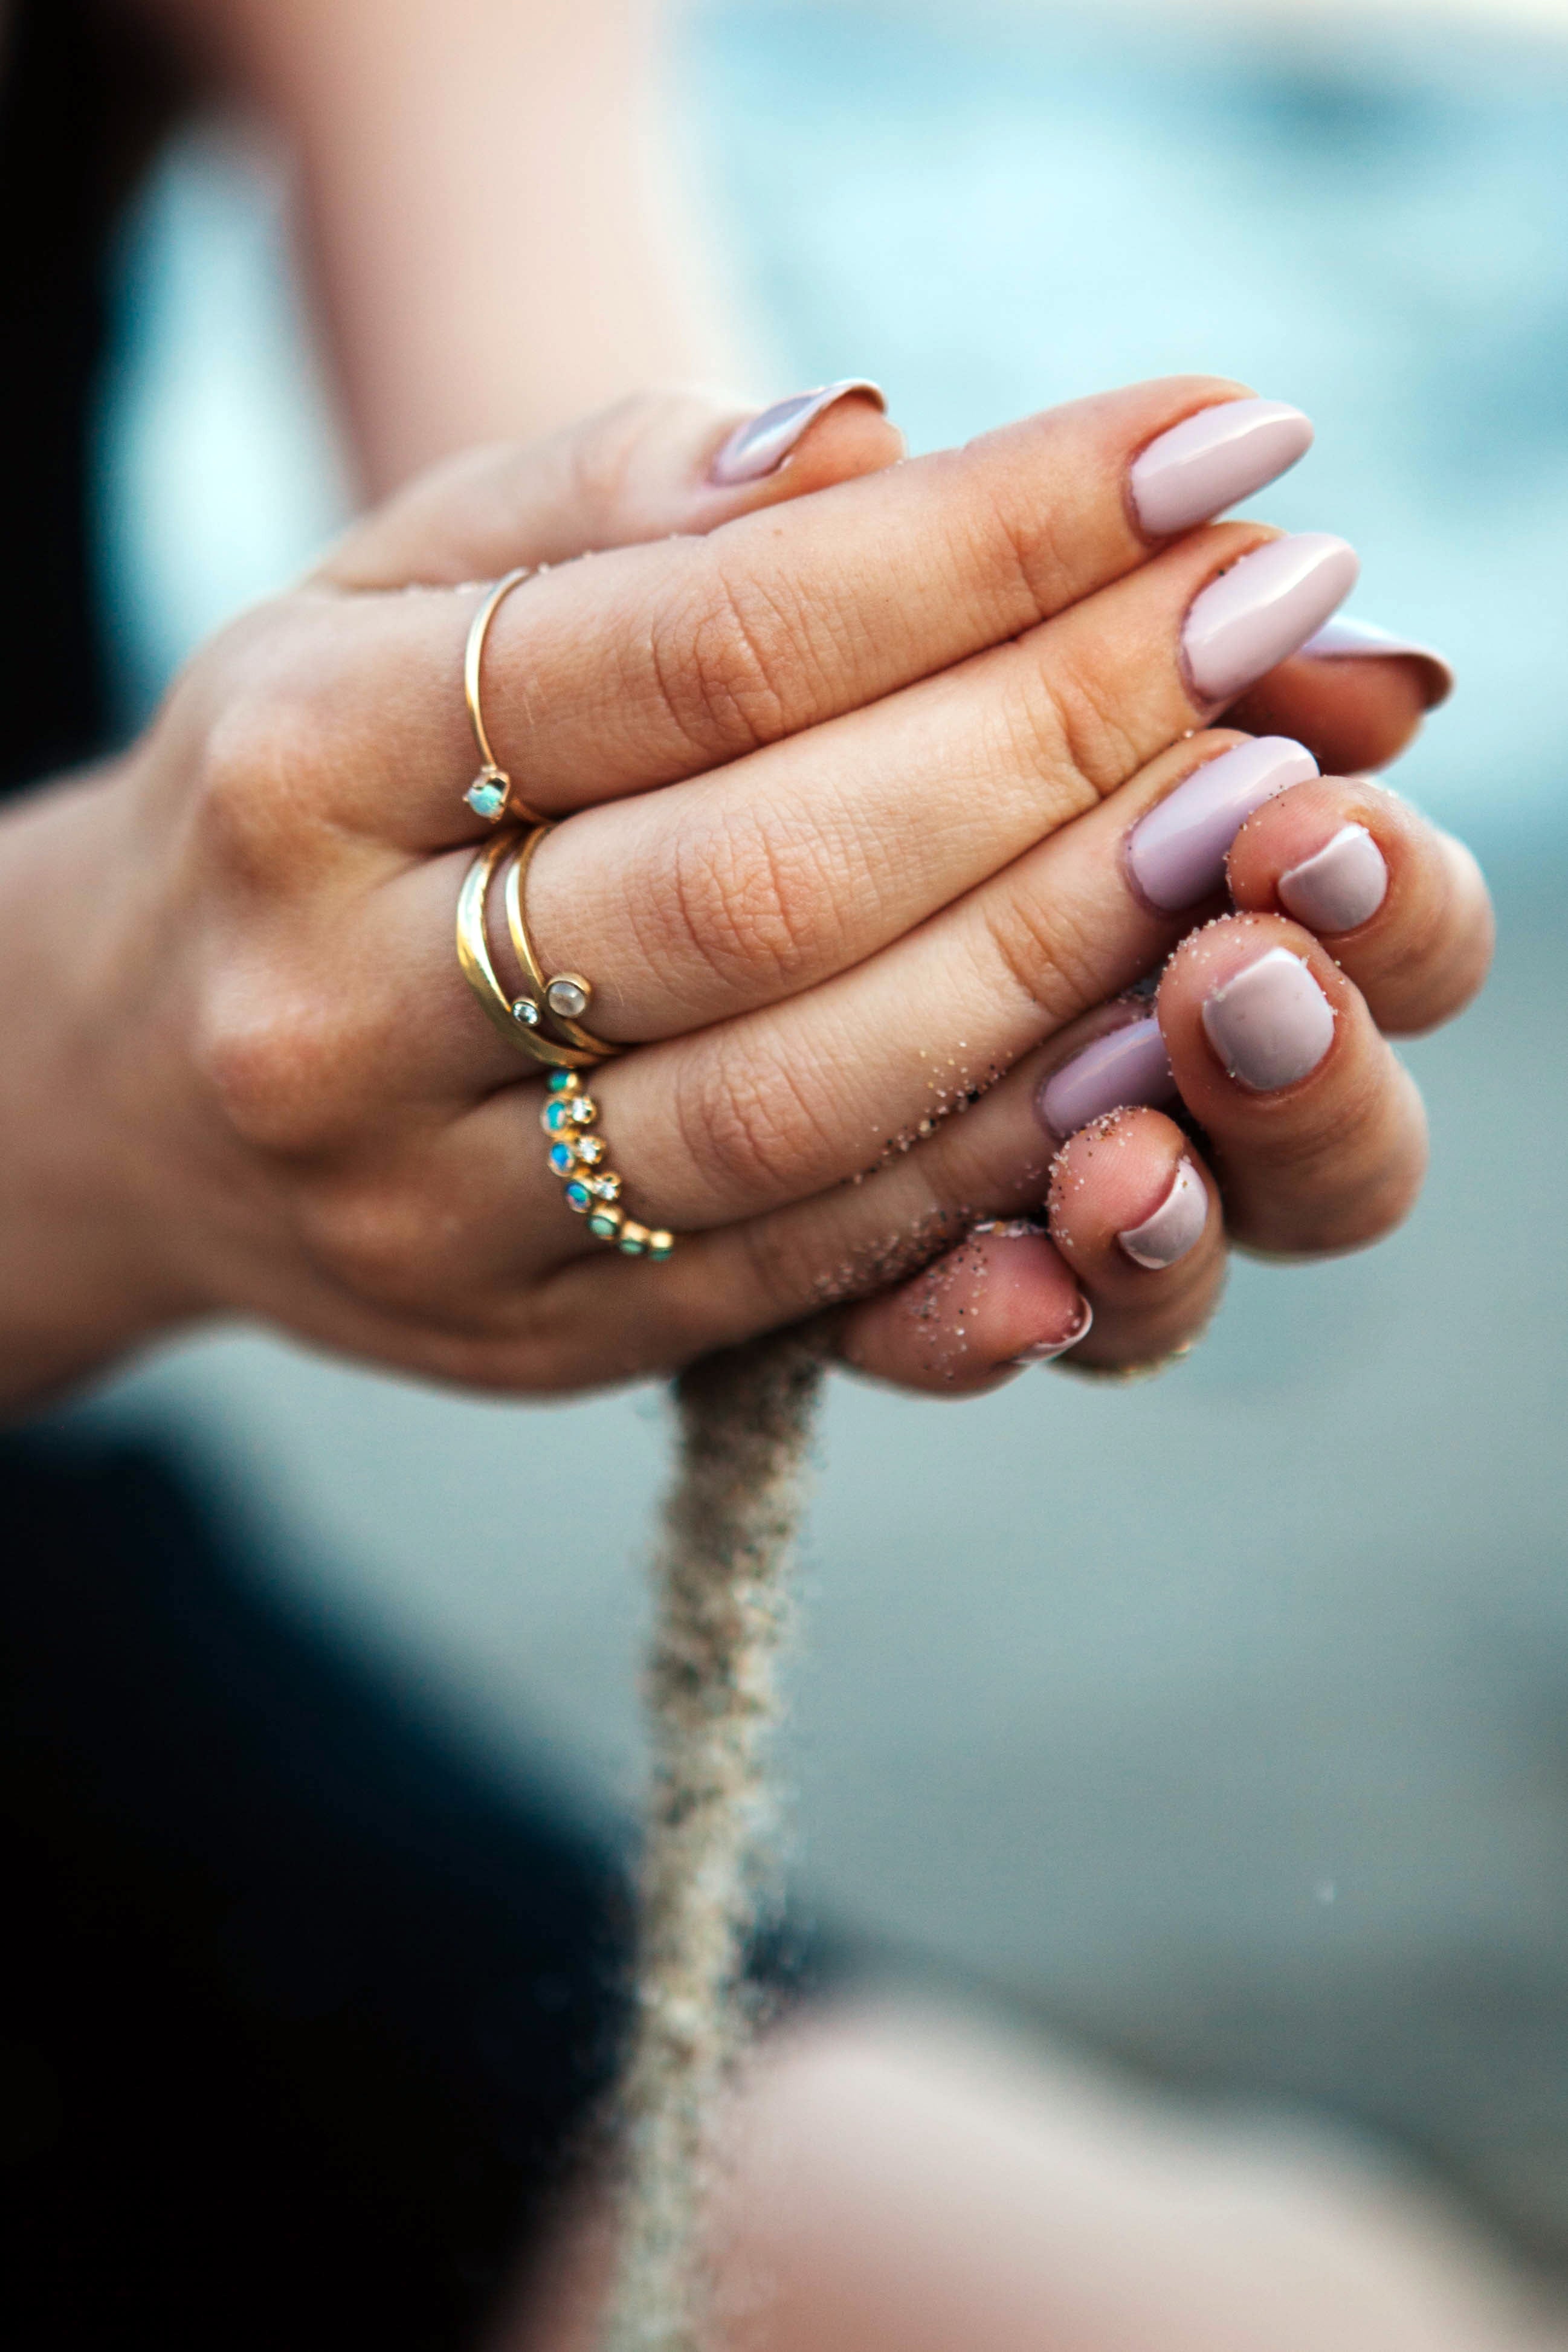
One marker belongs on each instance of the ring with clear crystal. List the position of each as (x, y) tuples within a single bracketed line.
[(519, 1019), (562, 997), (491, 796)]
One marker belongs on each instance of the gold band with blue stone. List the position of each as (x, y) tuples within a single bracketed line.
[(491, 796)]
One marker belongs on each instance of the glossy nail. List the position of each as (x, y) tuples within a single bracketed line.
[(760, 445), (1171, 1229), (1176, 855), (1208, 461), (1127, 1066), (1343, 886), (1271, 1022), (1343, 640), (1264, 608), (1045, 1351)]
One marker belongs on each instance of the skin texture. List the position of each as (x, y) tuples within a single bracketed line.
[(283, 1101)]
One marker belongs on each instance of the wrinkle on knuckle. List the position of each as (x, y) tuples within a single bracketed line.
[(1099, 746), (749, 901), (726, 661), (747, 1125), (1045, 950)]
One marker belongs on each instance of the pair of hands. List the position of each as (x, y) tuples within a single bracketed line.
[(853, 753)]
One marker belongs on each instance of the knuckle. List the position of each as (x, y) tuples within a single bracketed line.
[(747, 1123), (1088, 722), (725, 659), (747, 900), (383, 1243), (275, 1066), (1048, 952)]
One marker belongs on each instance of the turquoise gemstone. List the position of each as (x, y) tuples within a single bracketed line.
[(563, 1082), (604, 1227), (561, 1158), (557, 1115), (485, 798), (631, 1246), (578, 1198)]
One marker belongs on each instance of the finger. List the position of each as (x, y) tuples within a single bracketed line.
[(1002, 1300), (649, 663), (1403, 906), (1317, 1133), (661, 462), (1136, 1217), (727, 893), (1359, 708)]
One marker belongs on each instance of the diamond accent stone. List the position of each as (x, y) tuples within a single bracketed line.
[(582, 1110), (567, 997), (525, 1011), (590, 1148), (487, 796)]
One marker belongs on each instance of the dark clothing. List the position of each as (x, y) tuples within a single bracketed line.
[(300, 2014), (301, 2017)]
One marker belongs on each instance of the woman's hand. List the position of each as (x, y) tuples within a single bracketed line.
[(855, 772)]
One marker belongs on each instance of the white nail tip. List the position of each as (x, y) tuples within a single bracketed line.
[(1173, 1227), (1270, 1024), (1046, 1351), (1341, 887)]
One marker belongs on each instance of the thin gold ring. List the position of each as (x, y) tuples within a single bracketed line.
[(491, 796), (517, 1018), (563, 994)]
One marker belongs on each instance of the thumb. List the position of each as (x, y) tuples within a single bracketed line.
[(662, 463)]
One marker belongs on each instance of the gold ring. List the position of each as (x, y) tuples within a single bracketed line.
[(517, 1018), (566, 996), (491, 796), (592, 1190)]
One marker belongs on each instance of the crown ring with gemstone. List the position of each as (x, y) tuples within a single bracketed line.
[(491, 796)]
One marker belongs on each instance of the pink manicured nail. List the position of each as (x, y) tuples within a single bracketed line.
[(1176, 853), (759, 446), (1343, 886), (1264, 608), (1271, 1022), (1343, 640), (1045, 1351), (1127, 1066), (1173, 1228), (1208, 461)]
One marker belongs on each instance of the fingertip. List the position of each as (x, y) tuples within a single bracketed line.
[(1004, 1299), (807, 442)]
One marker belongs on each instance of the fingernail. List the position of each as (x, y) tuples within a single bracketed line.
[(759, 446), (1176, 853), (1045, 1351), (1343, 886), (1127, 1066), (1343, 640), (1171, 1229), (1208, 461), (1271, 1022), (1265, 607)]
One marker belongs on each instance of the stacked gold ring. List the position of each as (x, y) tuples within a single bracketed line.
[(544, 1026)]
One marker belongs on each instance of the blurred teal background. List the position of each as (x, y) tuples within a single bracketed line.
[(1225, 1720)]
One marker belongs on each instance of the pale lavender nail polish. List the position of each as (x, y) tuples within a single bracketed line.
[(1176, 855), (1271, 1022), (1046, 1351), (1343, 640), (1264, 608), (1171, 1229), (1208, 461), (1127, 1066), (1341, 887), (759, 446)]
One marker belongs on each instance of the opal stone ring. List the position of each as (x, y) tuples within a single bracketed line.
[(491, 796)]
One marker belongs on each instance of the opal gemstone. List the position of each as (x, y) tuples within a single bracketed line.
[(485, 797), (561, 1158), (578, 1197)]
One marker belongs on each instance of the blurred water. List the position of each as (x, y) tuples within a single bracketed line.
[(1228, 1717)]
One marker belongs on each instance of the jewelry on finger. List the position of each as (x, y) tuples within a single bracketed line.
[(491, 796), (565, 995), (592, 1190), (519, 1019)]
